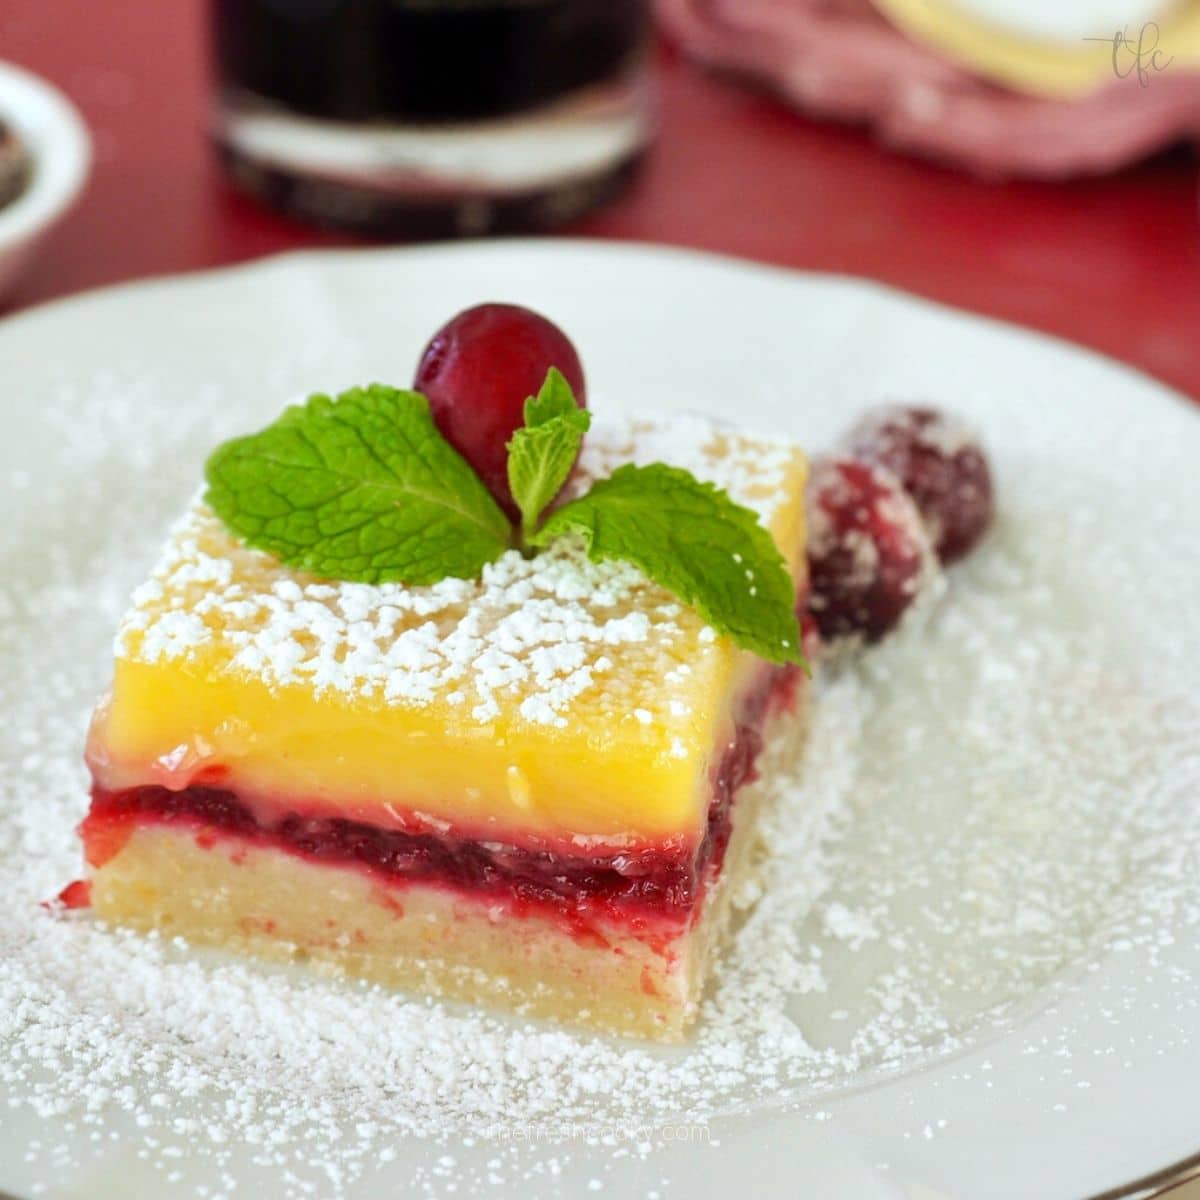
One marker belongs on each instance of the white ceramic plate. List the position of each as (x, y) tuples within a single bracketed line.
[(973, 971)]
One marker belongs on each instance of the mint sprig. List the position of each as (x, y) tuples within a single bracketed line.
[(691, 538), (542, 453), (554, 400), (362, 487)]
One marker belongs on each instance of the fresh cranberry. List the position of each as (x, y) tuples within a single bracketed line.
[(477, 373), (941, 465), (868, 553)]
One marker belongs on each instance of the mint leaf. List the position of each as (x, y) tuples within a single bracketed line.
[(554, 399), (542, 453), (695, 541), (362, 487)]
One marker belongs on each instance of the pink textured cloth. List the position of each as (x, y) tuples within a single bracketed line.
[(842, 59)]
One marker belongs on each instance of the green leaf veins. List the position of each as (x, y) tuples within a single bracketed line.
[(360, 487)]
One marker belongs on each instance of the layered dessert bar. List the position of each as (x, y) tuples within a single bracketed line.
[(521, 789)]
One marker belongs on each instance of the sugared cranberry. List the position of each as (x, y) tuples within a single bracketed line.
[(477, 373), (868, 553), (941, 465)]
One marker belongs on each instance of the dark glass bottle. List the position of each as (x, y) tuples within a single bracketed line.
[(432, 116)]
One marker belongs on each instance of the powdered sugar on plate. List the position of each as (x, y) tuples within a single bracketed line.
[(986, 801)]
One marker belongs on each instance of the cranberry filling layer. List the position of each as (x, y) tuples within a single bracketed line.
[(655, 882)]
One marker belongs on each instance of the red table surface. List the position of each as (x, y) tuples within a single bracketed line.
[(1113, 263)]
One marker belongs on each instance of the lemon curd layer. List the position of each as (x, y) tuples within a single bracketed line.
[(553, 697)]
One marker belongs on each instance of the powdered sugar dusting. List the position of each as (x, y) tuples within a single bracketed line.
[(751, 467), (937, 429), (533, 634)]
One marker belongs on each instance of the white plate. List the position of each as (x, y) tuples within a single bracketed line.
[(980, 935)]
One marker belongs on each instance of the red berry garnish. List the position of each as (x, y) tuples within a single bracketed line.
[(477, 373), (868, 553), (942, 467)]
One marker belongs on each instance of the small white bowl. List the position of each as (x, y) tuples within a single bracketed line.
[(60, 152)]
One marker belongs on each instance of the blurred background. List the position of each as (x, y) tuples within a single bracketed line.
[(1034, 162)]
